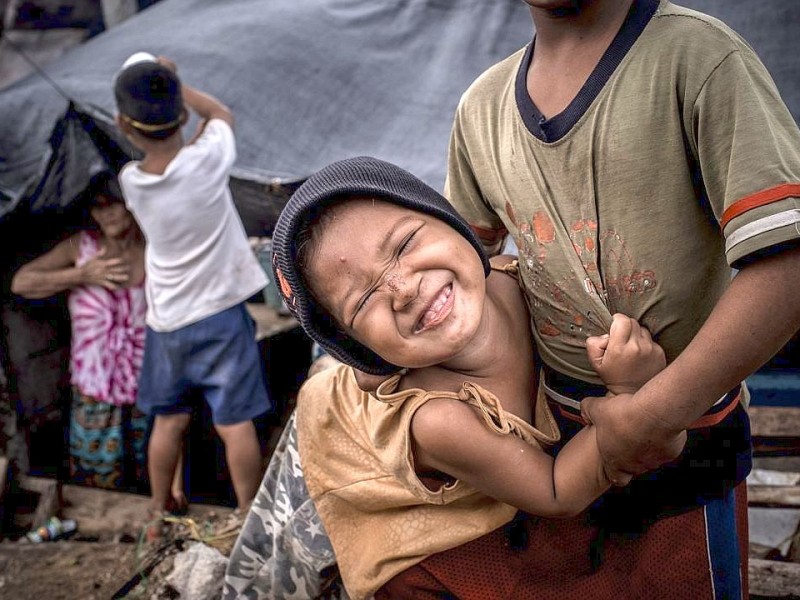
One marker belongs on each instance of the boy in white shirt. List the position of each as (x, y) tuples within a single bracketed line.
[(200, 270)]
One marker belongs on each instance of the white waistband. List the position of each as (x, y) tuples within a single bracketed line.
[(576, 405)]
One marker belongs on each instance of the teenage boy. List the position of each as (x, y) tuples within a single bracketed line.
[(635, 151)]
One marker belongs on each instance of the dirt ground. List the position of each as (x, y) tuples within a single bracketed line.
[(107, 551), (102, 559), (65, 570)]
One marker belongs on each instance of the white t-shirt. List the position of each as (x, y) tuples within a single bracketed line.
[(198, 260)]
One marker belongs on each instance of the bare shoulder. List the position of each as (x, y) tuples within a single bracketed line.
[(439, 418), (440, 425), (503, 283)]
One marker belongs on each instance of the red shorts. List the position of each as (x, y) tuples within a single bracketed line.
[(700, 554)]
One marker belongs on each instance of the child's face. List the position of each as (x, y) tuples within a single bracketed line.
[(405, 284)]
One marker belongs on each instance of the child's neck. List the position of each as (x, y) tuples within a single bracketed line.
[(477, 363), (478, 358), (501, 358), (123, 242), (158, 155), (567, 50)]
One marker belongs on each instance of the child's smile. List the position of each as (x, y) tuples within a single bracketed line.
[(438, 310)]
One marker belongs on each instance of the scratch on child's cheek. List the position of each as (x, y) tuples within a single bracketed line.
[(393, 282)]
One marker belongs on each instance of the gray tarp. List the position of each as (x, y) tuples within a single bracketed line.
[(310, 81)]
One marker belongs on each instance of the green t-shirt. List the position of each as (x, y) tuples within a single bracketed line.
[(677, 159)]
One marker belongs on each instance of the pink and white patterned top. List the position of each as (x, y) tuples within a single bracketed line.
[(108, 332)]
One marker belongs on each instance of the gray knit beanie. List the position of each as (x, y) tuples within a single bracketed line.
[(353, 177)]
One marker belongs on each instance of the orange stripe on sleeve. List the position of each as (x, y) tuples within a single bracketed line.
[(780, 192), (717, 417), (489, 236)]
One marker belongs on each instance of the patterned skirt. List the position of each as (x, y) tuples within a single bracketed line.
[(107, 444)]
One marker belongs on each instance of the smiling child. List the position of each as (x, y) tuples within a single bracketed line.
[(383, 273)]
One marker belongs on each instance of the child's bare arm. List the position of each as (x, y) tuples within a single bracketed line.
[(452, 437), (55, 272), (627, 357), (205, 105)]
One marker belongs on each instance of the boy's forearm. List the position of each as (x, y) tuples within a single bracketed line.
[(205, 105), (752, 321)]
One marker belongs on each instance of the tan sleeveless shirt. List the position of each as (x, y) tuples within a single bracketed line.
[(358, 463)]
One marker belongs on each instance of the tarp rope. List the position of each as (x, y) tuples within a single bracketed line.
[(39, 70)]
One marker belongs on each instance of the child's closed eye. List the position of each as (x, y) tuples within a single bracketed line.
[(407, 244), (363, 302)]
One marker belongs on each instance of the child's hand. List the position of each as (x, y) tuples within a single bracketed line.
[(625, 358), (166, 62)]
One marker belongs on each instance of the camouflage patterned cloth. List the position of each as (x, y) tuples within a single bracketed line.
[(283, 552)]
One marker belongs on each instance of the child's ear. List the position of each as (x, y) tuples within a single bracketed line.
[(123, 125), (184, 116)]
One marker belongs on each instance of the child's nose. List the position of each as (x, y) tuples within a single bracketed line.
[(401, 289)]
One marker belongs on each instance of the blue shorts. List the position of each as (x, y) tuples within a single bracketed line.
[(217, 356)]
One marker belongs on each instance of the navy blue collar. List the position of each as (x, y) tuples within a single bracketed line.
[(552, 130)]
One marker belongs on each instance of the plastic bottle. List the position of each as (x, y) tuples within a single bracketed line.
[(54, 529)]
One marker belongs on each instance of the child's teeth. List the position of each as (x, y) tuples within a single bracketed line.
[(431, 313)]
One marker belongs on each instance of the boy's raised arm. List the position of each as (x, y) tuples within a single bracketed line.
[(205, 105)]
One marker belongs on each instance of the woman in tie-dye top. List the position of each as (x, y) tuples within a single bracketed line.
[(102, 267)]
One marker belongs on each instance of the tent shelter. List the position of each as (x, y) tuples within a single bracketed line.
[(309, 81)]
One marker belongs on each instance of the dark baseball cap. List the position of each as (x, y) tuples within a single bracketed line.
[(149, 97)]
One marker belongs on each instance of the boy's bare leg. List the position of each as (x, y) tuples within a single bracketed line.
[(163, 452), (243, 454), (178, 491)]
